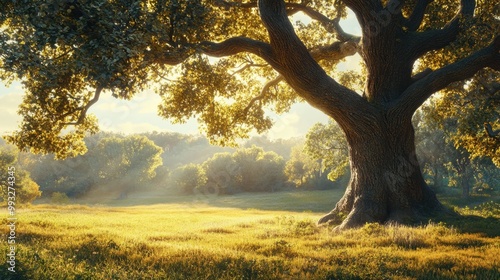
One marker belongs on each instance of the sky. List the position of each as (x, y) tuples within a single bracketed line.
[(140, 114)]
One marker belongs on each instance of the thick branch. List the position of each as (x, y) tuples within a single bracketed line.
[(293, 58), (417, 15), (421, 75), (421, 90), (237, 45), (302, 72), (440, 38), (295, 62), (335, 51)]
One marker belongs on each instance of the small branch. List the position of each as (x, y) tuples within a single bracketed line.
[(247, 66), (161, 75), (263, 93), (83, 111), (491, 133), (63, 54), (330, 25)]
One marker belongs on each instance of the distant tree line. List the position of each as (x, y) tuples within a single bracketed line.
[(172, 163), (444, 159), (117, 165)]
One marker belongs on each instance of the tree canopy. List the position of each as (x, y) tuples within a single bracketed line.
[(69, 52)]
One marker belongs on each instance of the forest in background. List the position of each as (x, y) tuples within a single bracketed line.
[(167, 163)]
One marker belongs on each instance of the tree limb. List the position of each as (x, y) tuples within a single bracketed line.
[(259, 97), (335, 51), (490, 132), (416, 17), (237, 45), (423, 42), (232, 46), (295, 62), (416, 94), (303, 73), (83, 111), (421, 75)]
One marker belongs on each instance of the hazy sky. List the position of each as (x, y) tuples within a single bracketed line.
[(140, 114)]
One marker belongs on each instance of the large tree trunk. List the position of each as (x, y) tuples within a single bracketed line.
[(386, 182)]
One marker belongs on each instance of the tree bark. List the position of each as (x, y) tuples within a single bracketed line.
[(386, 184)]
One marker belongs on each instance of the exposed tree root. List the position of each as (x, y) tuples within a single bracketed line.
[(357, 217)]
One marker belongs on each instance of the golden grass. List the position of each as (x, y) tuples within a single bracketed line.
[(198, 241)]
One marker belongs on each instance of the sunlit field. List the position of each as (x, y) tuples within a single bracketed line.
[(244, 237)]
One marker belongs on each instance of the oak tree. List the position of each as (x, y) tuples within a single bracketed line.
[(68, 53)]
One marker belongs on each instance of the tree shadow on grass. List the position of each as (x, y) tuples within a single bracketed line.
[(5, 274), (489, 226)]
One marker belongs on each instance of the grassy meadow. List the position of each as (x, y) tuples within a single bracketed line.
[(259, 236)]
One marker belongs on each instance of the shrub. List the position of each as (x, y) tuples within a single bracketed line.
[(489, 209), (59, 198)]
